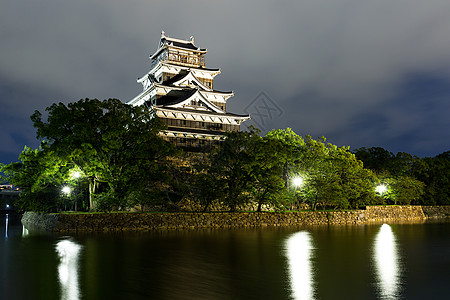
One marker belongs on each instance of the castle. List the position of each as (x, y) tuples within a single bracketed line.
[(179, 89)]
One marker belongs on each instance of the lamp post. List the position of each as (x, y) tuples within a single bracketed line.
[(66, 190), (381, 189), (297, 182)]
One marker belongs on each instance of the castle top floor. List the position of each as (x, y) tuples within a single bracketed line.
[(179, 52)]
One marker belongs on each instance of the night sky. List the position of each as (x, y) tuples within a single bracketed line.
[(362, 73)]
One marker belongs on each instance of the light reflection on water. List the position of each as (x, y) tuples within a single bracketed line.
[(25, 232), (299, 253), (386, 263), (333, 262), (68, 252), (6, 226)]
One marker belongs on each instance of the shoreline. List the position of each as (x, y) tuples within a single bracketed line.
[(101, 222)]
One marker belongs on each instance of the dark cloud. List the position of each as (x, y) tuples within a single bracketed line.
[(362, 73)]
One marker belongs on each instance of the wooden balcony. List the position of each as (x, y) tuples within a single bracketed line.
[(180, 58), (190, 59)]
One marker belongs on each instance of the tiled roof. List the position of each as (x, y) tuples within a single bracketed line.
[(175, 96), (187, 44), (206, 112)]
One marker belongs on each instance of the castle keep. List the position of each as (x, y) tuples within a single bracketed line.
[(179, 89)]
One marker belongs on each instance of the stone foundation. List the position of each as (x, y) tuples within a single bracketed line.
[(40, 222), (183, 221), (436, 212)]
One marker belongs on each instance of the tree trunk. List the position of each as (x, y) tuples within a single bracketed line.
[(93, 184), (259, 207)]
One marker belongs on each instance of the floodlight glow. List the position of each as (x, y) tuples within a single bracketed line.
[(387, 263), (297, 181), (381, 189), (66, 190), (25, 231), (68, 253), (6, 227), (76, 174), (299, 251)]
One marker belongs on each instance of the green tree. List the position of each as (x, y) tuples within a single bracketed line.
[(205, 189), (407, 190), (291, 146), (400, 190), (405, 164), (375, 158), (39, 175), (324, 166), (113, 143), (355, 183), (267, 168), (401, 172), (230, 168), (437, 180), (332, 175)]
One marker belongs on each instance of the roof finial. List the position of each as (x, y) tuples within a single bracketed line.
[(192, 39), (163, 34)]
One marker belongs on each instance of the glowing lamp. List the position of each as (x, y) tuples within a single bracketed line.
[(297, 181), (66, 190), (381, 189)]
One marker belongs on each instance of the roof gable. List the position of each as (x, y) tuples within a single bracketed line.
[(186, 44), (195, 101), (190, 80)]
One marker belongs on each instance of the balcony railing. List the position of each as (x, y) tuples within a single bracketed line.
[(186, 59)]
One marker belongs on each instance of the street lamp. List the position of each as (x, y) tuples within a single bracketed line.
[(381, 189), (66, 190), (297, 181)]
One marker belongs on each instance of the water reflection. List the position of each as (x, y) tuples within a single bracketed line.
[(6, 226), (68, 252), (25, 231), (386, 262), (299, 253)]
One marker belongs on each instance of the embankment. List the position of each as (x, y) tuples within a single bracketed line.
[(167, 221)]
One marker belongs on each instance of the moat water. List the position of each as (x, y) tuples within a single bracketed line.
[(395, 261)]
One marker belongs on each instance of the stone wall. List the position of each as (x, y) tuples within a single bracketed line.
[(436, 212), (164, 221), (39, 222), (394, 213)]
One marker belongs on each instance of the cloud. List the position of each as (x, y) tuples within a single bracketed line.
[(329, 64)]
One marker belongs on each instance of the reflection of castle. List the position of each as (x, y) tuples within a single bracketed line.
[(180, 90)]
